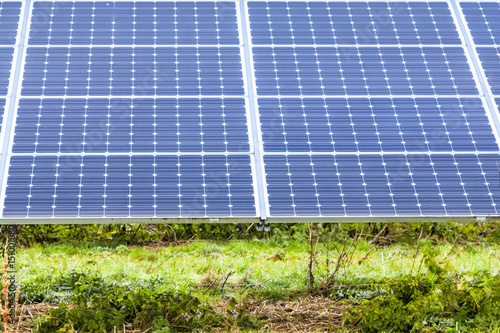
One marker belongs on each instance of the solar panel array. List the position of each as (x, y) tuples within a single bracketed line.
[(308, 110)]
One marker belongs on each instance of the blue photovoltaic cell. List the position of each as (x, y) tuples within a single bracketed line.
[(216, 23), (352, 23), (139, 125), (376, 125), (341, 71), (125, 186), (5, 67), (83, 71), (382, 185), (483, 21), (490, 59), (9, 19)]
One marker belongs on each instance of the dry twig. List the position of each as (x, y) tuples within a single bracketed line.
[(416, 251), (224, 282), (378, 235)]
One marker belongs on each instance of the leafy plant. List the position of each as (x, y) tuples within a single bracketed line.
[(97, 309), (437, 302)]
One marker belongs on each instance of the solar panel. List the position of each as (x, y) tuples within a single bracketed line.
[(359, 127), (249, 110), (131, 109), (9, 18), (482, 20)]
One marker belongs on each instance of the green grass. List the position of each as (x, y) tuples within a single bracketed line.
[(195, 266), (455, 257)]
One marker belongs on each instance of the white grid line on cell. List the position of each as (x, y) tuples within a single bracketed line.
[(200, 114), (106, 161), (180, 97), (334, 45), (89, 69), (61, 125), (37, 134), (471, 136), (179, 174), (223, 108), (76, 46), (155, 128), (136, 96), (287, 162), (424, 133), (131, 134), (375, 153), (327, 114), (304, 115), (350, 114)]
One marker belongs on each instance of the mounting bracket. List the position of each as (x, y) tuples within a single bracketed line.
[(263, 225)]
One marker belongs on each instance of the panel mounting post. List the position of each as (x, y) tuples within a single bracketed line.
[(255, 133)]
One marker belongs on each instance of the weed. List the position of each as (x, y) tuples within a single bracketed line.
[(439, 302), (139, 308)]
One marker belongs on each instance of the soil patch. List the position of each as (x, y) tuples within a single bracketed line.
[(307, 314)]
